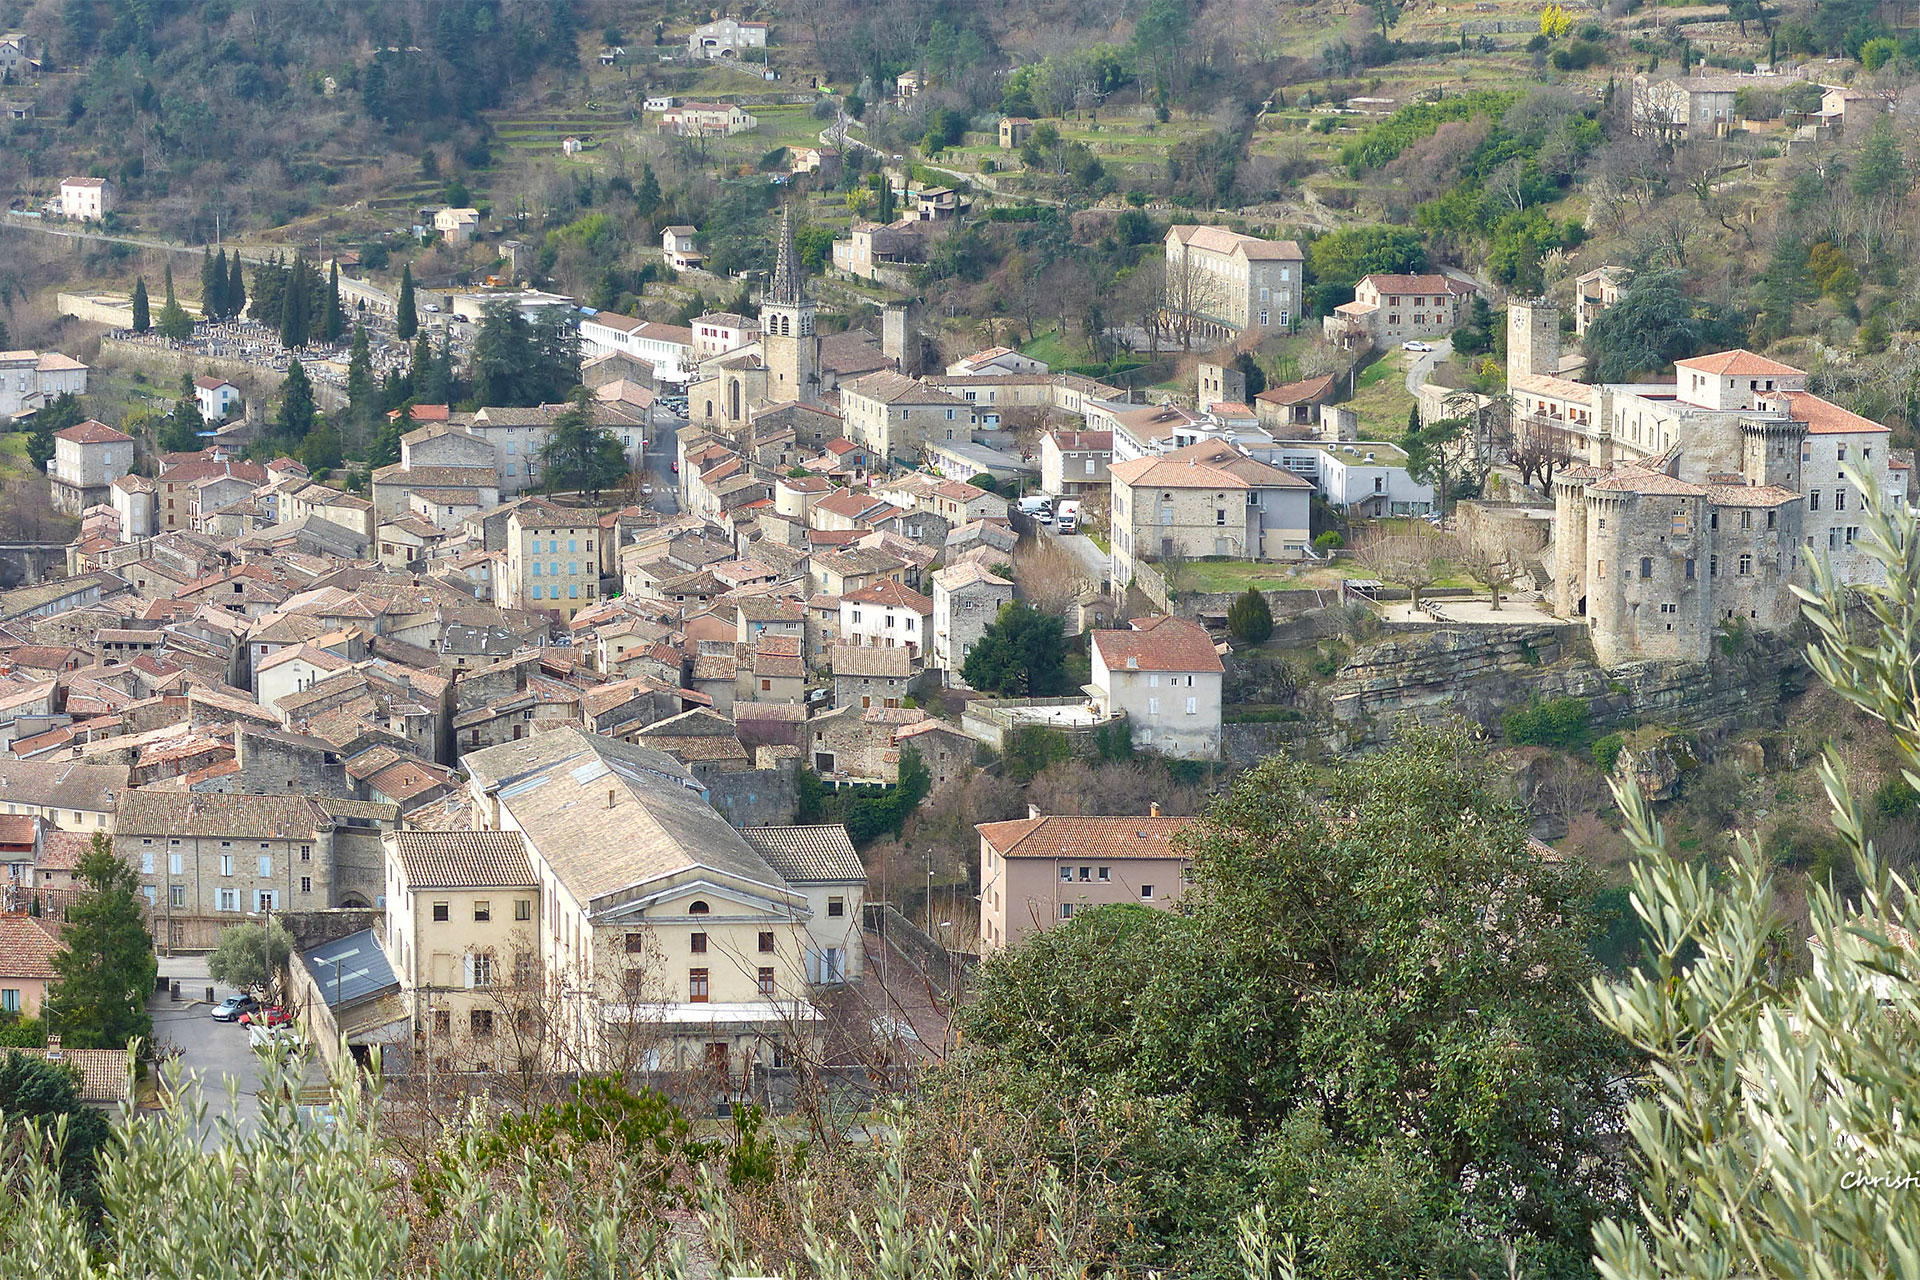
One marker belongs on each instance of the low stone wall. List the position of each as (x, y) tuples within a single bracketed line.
[(165, 365)]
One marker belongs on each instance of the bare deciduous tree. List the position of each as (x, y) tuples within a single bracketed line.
[(1414, 559)]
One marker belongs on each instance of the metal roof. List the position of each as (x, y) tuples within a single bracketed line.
[(350, 969)]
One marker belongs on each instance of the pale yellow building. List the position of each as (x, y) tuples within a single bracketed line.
[(553, 564), (686, 949), (462, 910)]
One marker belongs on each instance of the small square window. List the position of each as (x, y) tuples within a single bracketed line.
[(482, 912), (440, 911)]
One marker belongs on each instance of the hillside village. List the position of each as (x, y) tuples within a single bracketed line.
[(793, 569)]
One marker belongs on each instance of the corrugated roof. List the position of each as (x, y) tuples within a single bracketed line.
[(349, 969)]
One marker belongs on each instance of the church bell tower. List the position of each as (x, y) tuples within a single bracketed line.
[(787, 340)]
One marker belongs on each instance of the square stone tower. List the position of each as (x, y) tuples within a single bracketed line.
[(1533, 338)]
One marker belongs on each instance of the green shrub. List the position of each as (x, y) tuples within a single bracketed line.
[(1558, 722), (1606, 752), (1329, 541), (1026, 751), (1895, 799), (1249, 619)]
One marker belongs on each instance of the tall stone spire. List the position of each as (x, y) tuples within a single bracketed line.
[(786, 265)]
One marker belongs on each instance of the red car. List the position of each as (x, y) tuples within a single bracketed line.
[(271, 1016), (674, 467)]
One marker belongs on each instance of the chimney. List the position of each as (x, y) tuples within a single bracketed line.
[(1033, 810), (1153, 810)]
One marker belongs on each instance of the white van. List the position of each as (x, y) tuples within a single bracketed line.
[(1037, 506)]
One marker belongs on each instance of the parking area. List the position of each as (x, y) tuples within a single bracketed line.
[(212, 1052)]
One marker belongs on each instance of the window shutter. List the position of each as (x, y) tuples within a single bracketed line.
[(469, 965)]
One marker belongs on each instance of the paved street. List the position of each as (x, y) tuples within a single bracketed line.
[(1098, 564), (1423, 362), (662, 449), (212, 1052)]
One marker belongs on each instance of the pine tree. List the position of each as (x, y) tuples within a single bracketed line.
[(440, 382), (236, 298), (646, 196), (295, 416), (106, 965), (213, 284), (142, 318), (334, 322), (405, 323), (321, 449)]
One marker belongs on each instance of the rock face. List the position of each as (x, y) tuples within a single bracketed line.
[(1480, 673), (1658, 760)]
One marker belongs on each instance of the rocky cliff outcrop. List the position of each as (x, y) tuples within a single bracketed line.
[(1480, 673)]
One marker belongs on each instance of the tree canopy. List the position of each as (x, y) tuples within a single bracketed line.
[(1653, 324), (517, 362), (1021, 654), (579, 454), (249, 956), (1369, 1015)]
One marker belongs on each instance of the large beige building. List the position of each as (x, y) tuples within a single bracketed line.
[(462, 908), (689, 949), (1221, 283), (87, 458), (1207, 499), (1042, 870)]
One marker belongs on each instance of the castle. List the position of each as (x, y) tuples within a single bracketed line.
[(1693, 505)]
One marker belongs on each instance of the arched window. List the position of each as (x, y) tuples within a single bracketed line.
[(699, 908)]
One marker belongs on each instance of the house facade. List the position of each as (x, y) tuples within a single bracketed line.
[(1165, 675), (726, 38), (1042, 870), (1206, 500), (1221, 284), (87, 458), (87, 199), (1074, 462)]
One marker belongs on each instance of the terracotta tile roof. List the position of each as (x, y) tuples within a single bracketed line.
[(1221, 240), (464, 859), (1430, 283), (1307, 390), (27, 948), (1060, 836), (1165, 644), (17, 828), (103, 1072), (808, 854), (1750, 495), (92, 432), (1824, 418), (1632, 479), (1083, 441), (1740, 363)]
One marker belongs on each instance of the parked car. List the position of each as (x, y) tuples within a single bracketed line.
[(271, 1016), (1416, 346), (674, 467), (259, 1037), (230, 1009)]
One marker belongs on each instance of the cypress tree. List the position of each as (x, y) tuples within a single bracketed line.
[(420, 372), (213, 284), (335, 322), (295, 417), (295, 318), (362, 392), (405, 323), (175, 323), (142, 316), (236, 298)]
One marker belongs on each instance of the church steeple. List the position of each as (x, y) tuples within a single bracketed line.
[(788, 343), (786, 263)]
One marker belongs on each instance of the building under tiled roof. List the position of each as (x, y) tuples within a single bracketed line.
[(1062, 836), (806, 855), (27, 948), (872, 661), (1162, 644), (463, 859)]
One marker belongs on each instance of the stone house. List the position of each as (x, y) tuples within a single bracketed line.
[(726, 38), (1389, 309), (1014, 132), (87, 458), (1206, 500), (966, 600), (1165, 675), (895, 415), (87, 199), (865, 676)]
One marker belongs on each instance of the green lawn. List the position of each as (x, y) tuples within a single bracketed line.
[(1047, 345), (1382, 400)]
